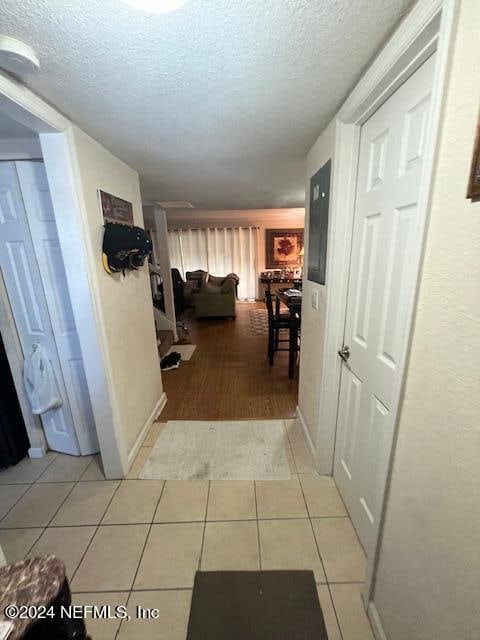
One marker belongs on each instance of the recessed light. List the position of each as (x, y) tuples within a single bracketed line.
[(156, 6)]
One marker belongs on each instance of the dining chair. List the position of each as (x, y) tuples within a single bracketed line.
[(295, 324), (276, 322)]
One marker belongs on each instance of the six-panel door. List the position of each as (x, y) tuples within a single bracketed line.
[(382, 277)]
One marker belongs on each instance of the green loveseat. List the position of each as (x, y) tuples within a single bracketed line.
[(216, 296)]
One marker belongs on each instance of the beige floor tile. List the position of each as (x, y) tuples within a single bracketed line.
[(289, 544), (101, 629), (172, 623), (94, 470), (183, 501), (341, 552), (322, 496), (16, 543), (294, 430), (65, 468), (352, 618), (171, 556), (67, 543), (37, 506), (10, 494), (27, 470), (290, 458), (303, 458), (230, 546), (112, 559), (86, 504), (153, 434), (328, 611), (280, 499), (231, 500), (139, 463), (135, 501)]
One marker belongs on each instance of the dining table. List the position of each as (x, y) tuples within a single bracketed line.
[(294, 306)]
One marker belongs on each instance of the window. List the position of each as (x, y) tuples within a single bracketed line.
[(219, 251)]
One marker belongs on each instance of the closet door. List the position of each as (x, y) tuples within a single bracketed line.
[(27, 299), (43, 229)]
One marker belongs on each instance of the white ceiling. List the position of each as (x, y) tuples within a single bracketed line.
[(216, 103), (10, 128)]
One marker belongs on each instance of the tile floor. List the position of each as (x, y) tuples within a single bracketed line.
[(139, 542)]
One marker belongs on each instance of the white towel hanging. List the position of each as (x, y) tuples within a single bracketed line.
[(40, 382)]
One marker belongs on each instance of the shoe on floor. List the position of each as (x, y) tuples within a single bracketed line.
[(170, 361)]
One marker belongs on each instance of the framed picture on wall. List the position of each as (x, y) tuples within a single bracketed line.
[(115, 209), (318, 224), (283, 247), (474, 182)]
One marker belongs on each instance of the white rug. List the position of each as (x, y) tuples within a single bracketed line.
[(223, 450), (185, 350)]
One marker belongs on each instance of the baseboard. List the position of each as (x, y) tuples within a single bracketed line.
[(36, 452), (374, 618), (157, 409), (306, 432)]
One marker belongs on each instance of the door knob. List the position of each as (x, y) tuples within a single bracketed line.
[(344, 353)]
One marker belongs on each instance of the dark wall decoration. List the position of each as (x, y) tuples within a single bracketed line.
[(283, 248), (318, 223), (115, 209), (474, 183)]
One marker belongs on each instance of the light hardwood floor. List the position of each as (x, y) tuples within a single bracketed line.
[(229, 376)]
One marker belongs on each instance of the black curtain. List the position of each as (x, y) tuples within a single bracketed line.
[(14, 442)]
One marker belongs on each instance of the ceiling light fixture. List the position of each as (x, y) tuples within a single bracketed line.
[(17, 57), (156, 6)]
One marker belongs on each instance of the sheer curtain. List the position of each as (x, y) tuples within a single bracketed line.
[(219, 251)]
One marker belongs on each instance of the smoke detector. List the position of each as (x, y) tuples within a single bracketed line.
[(17, 57)]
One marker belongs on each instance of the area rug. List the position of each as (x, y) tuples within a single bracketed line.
[(258, 322), (258, 605), (185, 350), (219, 450)]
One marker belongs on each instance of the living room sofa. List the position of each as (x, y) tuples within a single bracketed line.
[(216, 296)]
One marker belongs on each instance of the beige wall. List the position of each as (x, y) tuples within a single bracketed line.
[(261, 218), (124, 302), (313, 320), (428, 581)]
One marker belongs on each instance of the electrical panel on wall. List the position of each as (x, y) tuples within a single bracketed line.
[(318, 224)]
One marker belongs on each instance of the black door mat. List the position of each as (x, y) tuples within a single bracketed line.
[(255, 605)]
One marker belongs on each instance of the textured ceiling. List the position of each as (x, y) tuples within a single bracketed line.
[(216, 103)]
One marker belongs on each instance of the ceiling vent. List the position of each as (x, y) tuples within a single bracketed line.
[(175, 204), (17, 57)]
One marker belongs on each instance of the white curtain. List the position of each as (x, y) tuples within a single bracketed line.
[(219, 251)]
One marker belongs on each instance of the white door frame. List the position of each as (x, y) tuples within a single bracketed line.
[(60, 159), (427, 28)]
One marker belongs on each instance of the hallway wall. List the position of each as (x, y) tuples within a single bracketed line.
[(125, 301), (313, 320), (428, 577)]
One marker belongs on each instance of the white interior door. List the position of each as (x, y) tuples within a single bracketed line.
[(382, 278), (27, 299), (43, 229)]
